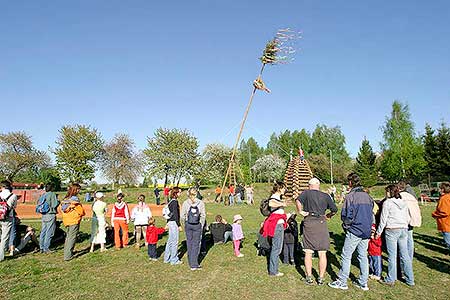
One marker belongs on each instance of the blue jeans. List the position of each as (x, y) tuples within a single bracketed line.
[(171, 252), (238, 198), (398, 238), (410, 244), (446, 236), (375, 265), (193, 240), (231, 198), (277, 246), (288, 253), (151, 251), (352, 243), (228, 235), (13, 232), (47, 231)]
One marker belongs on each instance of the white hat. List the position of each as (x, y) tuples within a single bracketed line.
[(119, 191), (237, 218), (314, 181), (99, 195)]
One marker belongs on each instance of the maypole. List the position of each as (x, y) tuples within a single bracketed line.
[(278, 50)]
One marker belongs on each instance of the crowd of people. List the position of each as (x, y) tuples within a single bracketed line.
[(235, 194), (368, 227)]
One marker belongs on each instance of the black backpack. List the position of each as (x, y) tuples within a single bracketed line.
[(264, 207), (193, 216)]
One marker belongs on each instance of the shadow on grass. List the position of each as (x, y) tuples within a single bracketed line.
[(436, 263), (206, 245), (182, 249), (431, 243)]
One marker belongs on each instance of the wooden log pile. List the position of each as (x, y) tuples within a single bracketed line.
[(296, 178)]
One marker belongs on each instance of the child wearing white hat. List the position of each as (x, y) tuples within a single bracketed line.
[(238, 235)]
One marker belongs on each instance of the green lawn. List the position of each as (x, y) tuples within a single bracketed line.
[(128, 274)]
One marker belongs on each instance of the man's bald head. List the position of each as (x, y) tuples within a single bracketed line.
[(314, 184)]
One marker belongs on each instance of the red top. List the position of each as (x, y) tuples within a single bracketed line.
[(120, 211), (375, 247), (152, 234), (232, 189), (166, 191), (271, 222)]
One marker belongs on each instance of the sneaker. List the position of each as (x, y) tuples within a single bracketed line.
[(338, 285), (196, 268), (389, 283), (240, 255), (320, 281), (279, 274), (177, 263), (374, 277), (360, 286), (309, 280)]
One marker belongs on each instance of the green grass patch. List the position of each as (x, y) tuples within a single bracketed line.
[(128, 274)]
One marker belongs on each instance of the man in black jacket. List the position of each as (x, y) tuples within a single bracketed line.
[(220, 230)]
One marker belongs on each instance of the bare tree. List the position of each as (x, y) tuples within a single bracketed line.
[(121, 163)]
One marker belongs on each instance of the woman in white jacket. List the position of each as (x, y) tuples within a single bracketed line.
[(140, 215), (394, 222)]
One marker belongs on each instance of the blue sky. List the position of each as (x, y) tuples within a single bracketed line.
[(134, 66)]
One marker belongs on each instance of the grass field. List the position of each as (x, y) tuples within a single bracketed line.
[(128, 274)]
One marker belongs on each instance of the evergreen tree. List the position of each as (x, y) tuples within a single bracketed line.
[(402, 150), (365, 165), (443, 152), (430, 151)]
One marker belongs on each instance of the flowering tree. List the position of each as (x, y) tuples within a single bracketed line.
[(269, 167)]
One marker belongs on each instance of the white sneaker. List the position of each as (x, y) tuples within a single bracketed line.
[(240, 255)]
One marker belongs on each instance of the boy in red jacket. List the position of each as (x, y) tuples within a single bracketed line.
[(152, 238), (374, 250)]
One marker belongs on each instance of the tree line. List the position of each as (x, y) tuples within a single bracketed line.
[(173, 155)]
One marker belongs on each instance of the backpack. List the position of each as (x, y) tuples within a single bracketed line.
[(4, 208), (193, 216), (264, 207), (42, 206), (166, 211)]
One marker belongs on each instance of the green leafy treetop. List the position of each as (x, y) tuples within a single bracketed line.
[(172, 154), (18, 155), (402, 149), (78, 149)]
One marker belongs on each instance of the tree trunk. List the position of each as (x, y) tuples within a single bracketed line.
[(166, 178)]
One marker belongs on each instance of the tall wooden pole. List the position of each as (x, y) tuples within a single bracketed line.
[(233, 153)]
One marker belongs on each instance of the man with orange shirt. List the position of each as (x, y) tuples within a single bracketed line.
[(217, 192), (442, 213)]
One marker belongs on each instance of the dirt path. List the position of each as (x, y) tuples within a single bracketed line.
[(27, 211)]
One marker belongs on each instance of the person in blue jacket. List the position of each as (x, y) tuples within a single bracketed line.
[(357, 218)]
